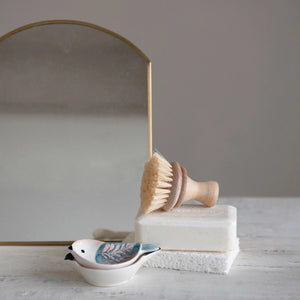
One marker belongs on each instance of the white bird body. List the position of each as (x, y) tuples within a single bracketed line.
[(96, 254)]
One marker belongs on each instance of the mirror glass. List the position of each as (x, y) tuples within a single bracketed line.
[(73, 133)]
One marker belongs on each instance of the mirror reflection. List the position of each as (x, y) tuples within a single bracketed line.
[(73, 133)]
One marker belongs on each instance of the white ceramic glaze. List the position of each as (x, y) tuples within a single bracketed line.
[(85, 259), (99, 277), (85, 252)]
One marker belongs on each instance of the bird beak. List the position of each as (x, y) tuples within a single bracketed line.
[(69, 256)]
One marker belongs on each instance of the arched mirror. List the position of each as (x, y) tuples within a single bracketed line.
[(74, 132)]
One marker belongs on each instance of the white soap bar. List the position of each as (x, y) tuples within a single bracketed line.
[(189, 227)]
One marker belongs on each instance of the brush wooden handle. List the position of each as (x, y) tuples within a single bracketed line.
[(184, 188), (205, 192)]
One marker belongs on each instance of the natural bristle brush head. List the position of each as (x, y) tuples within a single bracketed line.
[(156, 183), (166, 185)]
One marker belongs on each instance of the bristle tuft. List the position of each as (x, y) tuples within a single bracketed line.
[(156, 183)]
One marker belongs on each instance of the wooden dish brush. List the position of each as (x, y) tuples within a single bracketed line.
[(166, 185)]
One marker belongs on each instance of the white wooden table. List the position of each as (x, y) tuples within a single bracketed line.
[(268, 266)]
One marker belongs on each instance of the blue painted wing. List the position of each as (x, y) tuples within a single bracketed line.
[(115, 253)]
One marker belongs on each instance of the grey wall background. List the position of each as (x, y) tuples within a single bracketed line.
[(225, 81)]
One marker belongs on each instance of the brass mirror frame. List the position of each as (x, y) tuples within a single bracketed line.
[(149, 96)]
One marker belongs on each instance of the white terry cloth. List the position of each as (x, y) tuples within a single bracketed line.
[(205, 262)]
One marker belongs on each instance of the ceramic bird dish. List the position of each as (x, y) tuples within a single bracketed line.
[(105, 277), (107, 256)]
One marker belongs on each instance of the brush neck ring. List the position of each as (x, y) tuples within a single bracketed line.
[(176, 187), (183, 187)]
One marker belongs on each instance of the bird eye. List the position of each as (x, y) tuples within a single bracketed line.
[(82, 251)]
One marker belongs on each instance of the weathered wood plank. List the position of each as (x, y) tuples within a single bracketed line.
[(268, 266)]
